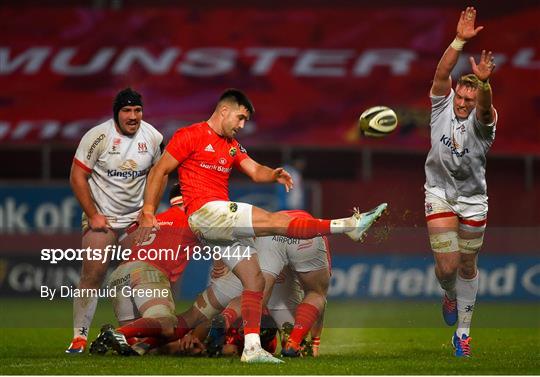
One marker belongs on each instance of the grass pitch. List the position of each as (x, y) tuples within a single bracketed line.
[(359, 338)]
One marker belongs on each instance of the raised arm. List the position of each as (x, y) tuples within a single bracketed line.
[(484, 107), (465, 30), (263, 174)]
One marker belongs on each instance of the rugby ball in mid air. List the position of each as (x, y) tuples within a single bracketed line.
[(377, 121)]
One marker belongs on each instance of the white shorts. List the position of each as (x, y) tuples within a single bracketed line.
[(471, 211), (221, 222), (119, 230), (227, 225), (275, 252), (282, 310), (226, 288), (286, 294), (140, 275)]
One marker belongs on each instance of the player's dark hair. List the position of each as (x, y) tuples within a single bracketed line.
[(175, 191), (125, 97), (238, 97)]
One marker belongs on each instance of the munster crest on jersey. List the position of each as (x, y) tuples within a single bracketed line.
[(233, 207), (232, 151)]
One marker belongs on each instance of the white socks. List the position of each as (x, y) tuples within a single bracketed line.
[(345, 225), (84, 309), (252, 341), (466, 290)]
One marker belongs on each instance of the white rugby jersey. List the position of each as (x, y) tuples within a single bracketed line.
[(118, 165), (456, 164)]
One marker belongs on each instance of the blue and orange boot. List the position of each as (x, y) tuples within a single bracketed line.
[(462, 345), (78, 344)]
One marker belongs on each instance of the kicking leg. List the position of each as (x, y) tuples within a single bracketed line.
[(275, 223)]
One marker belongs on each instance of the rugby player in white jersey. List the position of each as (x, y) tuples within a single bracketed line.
[(108, 176), (456, 204)]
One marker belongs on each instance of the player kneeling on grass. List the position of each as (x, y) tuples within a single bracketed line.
[(192, 344), (149, 320), (216, 310)]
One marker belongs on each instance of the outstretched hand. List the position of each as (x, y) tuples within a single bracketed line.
[(485, 66), (282, 176), (465, 27)]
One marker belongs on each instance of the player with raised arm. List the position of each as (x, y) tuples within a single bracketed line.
[(204, 154), (108, 175), (456, 204)]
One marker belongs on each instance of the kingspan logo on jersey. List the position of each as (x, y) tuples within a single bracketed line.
[(447, 141), (127, 170)]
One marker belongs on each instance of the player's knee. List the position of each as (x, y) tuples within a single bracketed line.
[(446, 270), (254, 281), (323, 286), (317, 300)]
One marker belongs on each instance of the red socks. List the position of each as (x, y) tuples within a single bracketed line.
[(306, 316), (150, 327), (307, 228), (141, 327), (230, 316), (182, 328), (153, 342), (251, 311)]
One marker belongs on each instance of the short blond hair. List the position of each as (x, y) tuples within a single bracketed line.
[(470, 81)]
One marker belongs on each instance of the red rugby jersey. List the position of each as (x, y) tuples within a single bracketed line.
[(174, 234), (205, 163)]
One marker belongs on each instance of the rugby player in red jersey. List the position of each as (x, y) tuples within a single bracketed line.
[(204, 154), (144, 304)]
